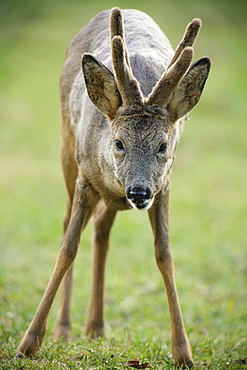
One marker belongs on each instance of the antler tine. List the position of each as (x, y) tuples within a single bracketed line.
[(117, 28), (116, 23), (164, 88), (127, 85), (188, 39)]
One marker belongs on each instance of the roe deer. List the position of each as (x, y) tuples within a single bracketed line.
[(122, 117)]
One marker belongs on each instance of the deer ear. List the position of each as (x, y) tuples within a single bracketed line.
[(189, 90), (101, 86)]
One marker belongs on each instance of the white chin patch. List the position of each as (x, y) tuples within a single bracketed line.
[(142, 206)]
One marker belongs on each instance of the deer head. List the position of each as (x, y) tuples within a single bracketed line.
[(143, 128)]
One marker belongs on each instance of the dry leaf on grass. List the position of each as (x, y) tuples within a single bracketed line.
[(137, 364)]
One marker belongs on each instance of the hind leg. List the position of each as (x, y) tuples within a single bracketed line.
[(103, 221)]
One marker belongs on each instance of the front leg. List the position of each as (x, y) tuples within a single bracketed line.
[(159, 214), (85, 200)]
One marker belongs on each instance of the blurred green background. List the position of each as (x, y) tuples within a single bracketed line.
[(209, 178)]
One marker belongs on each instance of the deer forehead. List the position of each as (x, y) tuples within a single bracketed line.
[(141, 122)]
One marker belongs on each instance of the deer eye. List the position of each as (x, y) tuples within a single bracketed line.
[(163, 148), (119, 145)]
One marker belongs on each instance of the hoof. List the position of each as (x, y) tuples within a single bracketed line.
[(18, 355), (182, 356), (94, 332), (184, 364), (62, 332), (30, 343)]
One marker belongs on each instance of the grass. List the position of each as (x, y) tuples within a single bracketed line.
[(208, 200)]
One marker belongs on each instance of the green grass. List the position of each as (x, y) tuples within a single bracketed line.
[(208, 200)]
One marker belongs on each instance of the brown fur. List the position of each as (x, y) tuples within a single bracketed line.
[(117, 153)]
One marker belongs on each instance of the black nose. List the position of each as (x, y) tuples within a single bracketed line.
[(138, 195)]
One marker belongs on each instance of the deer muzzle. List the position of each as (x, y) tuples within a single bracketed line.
[(139, 197)]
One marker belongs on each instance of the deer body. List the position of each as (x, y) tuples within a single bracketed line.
[(122, 117), (149, 55)]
